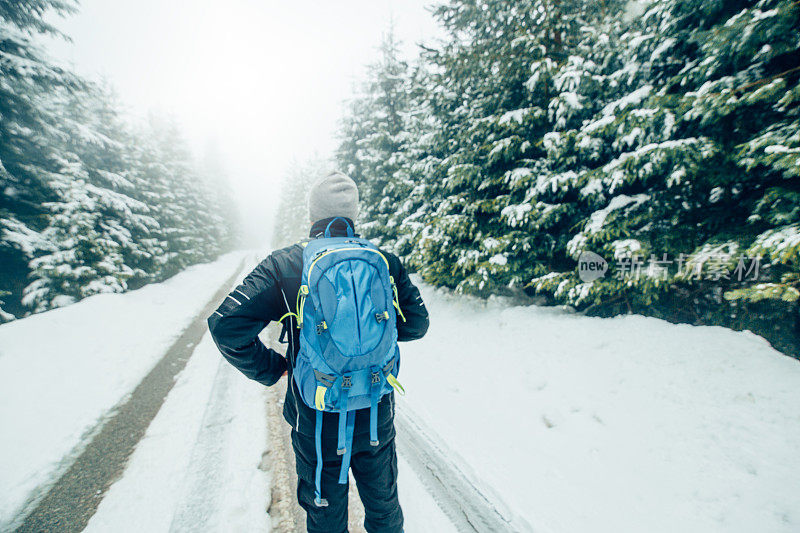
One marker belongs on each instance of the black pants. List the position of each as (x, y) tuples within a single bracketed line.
[(375, 471)]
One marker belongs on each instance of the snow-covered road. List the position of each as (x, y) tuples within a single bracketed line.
[(63, 373), (205, 463), (194, 457), (201, 464), (516, 419), (425, 507)]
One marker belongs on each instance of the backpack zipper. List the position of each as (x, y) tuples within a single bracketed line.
[(355, 298), (323, 254)]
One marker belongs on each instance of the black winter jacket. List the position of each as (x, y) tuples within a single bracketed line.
[(270, 291)]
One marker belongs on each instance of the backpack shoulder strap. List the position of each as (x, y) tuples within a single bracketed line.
[(302, 243)]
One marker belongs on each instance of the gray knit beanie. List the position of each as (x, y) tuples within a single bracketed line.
[(334, 195)]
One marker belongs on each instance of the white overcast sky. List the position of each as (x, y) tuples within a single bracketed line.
[(264, 79)]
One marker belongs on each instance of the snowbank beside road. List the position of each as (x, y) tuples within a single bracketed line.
[(621, 424), (62, 370)]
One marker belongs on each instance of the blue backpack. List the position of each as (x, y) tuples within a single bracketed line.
[(348, 357)]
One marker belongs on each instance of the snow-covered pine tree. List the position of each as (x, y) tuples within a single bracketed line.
[(387, 145), (97, 230), (661, 134), (89, 205), (86, 257), (491, 131), (180, 198), (212, 169), (27, 75), (372, 137), (693, 148), (413, 192), (111, 158)]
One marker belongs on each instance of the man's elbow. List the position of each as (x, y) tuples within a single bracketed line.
[(426, 322), (415, 328), (221, 334), (213, 326)]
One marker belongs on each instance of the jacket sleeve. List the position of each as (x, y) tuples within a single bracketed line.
[(417, 320), (239, 319)]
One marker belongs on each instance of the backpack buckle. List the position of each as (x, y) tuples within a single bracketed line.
[(347, 381), (322, 326), (380, 317), (320, 502), (376, 378)]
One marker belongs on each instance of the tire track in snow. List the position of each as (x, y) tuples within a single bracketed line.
[(74, 497), (455, 493), (470, 508), (202, 489)]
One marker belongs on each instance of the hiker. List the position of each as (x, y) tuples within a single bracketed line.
[(341, 415)]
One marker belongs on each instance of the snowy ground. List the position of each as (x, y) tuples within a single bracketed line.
[(62, 370), (572, 423), (203, 462), (623, 424), (197, 468)]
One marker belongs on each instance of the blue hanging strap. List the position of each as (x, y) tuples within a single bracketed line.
[(341, 449), (375, 394), (351, 422), (342, 446), (318, 500), (346, 223)]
